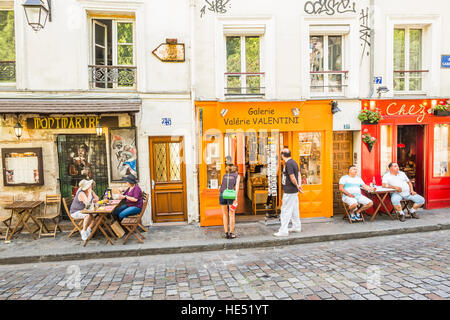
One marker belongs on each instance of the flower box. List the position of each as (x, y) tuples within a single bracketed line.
[(442, 113), (368, 122)]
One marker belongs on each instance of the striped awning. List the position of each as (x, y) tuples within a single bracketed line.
[(69, 106)]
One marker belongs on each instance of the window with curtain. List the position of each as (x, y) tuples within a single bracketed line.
[(408, 59)]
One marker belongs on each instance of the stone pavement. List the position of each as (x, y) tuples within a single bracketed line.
[(192, 238), (412, 266)]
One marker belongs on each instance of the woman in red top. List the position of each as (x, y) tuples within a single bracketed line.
[(133, 195)]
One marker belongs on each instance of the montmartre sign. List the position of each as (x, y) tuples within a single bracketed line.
[(74, 122)]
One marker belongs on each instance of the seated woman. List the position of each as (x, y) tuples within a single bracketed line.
[(133, 195), (84, 196)]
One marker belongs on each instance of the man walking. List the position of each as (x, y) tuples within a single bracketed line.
[(291, 187), (398, 180)]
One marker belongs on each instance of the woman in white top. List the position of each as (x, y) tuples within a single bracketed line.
[(84, 196)]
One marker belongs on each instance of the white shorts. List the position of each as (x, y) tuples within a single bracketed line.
[(358, 199), (78, 215)]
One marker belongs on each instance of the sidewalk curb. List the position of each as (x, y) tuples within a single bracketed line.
[(242, 244)]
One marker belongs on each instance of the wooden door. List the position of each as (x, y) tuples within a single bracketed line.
[(342, 160), (168, 179)]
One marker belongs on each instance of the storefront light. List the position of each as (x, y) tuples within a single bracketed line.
[(372, 105), (18, 130), (36, 13), (433, 103), (99, 129)]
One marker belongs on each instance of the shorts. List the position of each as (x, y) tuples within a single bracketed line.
[(358, 199), (396, 198), (225, 202), (78, 215)]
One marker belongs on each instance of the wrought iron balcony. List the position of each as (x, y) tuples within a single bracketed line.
[(248, 84), (7, 71), (112, 77), (409, 81), (328, 82)]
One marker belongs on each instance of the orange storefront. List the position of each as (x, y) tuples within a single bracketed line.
[(252, 133), (417, 139)]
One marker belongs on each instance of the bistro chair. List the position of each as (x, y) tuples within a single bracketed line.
[(347, 212), (77, 223), (6, 215), (52, 215), (406, 205), (131, 223)]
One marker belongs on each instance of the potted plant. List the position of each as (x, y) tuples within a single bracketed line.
[(370, 117), (368, 140), (442, 109)]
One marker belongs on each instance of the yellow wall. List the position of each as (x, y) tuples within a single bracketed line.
[(314, 116)]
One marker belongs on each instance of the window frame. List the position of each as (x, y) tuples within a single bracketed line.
[(13, 83), (326, 92), (407, 29)]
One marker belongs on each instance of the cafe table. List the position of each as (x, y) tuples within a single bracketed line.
[(100, 214), (23, 211), (381, 193)]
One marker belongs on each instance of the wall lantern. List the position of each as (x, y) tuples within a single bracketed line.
[(36, 13), (334, 107), (295, 112), (18, 130), (99, 129)]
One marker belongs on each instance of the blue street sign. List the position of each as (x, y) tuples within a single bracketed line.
[(445, 61), (166, 121), (378, 80)]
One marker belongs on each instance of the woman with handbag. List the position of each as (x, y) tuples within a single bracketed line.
[(228, 198)]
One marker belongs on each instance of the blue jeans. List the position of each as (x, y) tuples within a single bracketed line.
[(125, 211), (396, 198)]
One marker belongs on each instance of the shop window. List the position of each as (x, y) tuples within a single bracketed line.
[(311, 157), (386, 148), (23, 167), (213, 162), (243, 66), (7, 47), (113, 54), (408, 60), (441, 150), (326, 65)]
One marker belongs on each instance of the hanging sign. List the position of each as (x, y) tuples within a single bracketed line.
[(171, 51), (271, 149)]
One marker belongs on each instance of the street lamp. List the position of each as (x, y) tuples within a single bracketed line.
[(37, 13), (18, 130), (99, 129), (334, 107)]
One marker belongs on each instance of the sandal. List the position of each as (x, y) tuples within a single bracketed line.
[(227, 235), (231, 235)]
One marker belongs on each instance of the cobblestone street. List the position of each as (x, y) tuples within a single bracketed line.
[(412, 266)]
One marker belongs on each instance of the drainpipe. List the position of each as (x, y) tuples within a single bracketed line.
[(372, 49)]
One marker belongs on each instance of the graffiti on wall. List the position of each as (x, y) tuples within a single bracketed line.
[(364, 29), (216, 6), (330, 7)]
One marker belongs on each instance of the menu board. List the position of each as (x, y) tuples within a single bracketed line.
[(272, 167), (22, 166)]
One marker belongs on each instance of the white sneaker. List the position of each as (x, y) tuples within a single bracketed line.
[(89, 230), (295, 230), (279, 234), (84, 235)]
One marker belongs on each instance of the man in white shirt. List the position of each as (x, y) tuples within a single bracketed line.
[(350, 186), (396, 179)]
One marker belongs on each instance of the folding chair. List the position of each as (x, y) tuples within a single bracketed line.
[(405, 205), (77, 223), (6, 216), (53, 215), (347, 212), (132, 222)]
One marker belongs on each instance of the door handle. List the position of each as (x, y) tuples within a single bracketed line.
[(153, 184)]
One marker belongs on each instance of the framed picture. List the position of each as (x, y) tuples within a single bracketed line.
[(123, 152), (305, 149), (22, 167)]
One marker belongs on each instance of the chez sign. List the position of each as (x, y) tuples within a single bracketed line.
[(412, 108)]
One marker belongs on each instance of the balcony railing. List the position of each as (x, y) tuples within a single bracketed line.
[(7, 71), (248, 84), (112, 77), (328, 82), (409, 80)]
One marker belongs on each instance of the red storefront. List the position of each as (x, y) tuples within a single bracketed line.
[(419, 141)]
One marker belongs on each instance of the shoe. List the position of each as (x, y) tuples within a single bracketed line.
[(402, 218), (231, 235), (295, 230), (89, 229), (358, 216), (279, 234), (227, 235), (84, 235), (352, 216), (414, 215)]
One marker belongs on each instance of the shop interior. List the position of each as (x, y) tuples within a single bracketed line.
[(410, 154), (256, 156)]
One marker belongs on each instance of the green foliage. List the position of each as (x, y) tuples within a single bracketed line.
[(443, 106), (7, 45), (371, 116), (368, 139)]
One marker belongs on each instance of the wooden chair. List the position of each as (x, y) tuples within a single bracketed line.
[(131, 223), (405, 205), (347, 212), (77, 223), (6, 216), (54, 216)]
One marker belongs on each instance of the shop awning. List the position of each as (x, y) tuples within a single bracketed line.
[(69, 106)]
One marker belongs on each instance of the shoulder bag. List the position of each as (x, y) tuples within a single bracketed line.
[(229, 194)]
